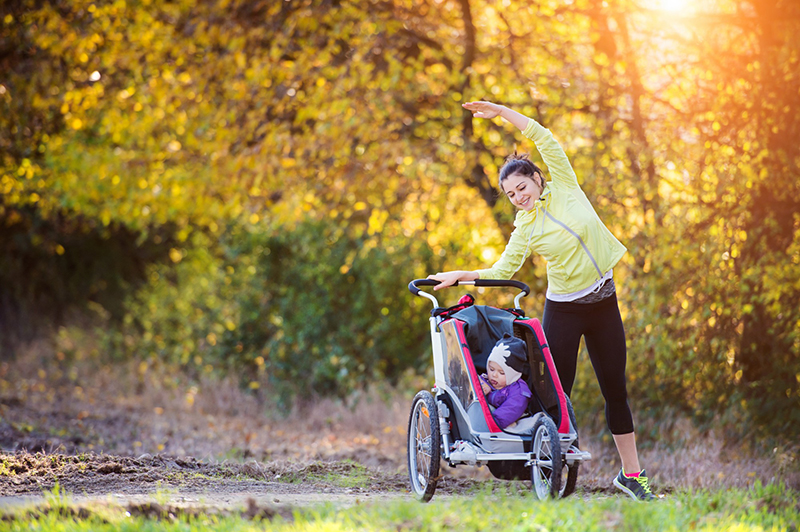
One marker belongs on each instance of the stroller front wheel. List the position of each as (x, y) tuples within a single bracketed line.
[(424, 446), (547, 463)]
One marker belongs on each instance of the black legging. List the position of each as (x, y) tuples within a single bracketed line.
[(601, 325)]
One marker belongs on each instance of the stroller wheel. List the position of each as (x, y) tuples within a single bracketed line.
[(424, 446), (547, 462)]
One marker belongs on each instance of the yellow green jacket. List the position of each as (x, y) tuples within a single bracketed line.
[(563, 228)]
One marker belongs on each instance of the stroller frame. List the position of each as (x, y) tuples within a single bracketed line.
[(453, 421)]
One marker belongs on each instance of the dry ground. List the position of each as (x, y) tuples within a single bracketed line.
[(128, 434)]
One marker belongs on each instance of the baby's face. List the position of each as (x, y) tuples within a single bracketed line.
[(497, 377)]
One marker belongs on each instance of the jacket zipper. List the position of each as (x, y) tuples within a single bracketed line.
[(573, 233)]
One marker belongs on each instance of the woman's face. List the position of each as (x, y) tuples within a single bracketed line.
[(522, 190)]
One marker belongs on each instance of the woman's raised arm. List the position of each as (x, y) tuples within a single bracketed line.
[(551, 151), (491, 110)]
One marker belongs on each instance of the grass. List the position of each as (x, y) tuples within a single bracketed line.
[(762, 508), (341, 474), (344, 474)]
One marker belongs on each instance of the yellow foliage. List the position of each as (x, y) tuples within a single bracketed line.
[(191, 116)]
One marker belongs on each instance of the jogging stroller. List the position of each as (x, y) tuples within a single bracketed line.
[(454, 422)]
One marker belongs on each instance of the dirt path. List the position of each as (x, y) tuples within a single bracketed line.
[(186, 483), (129, 437)]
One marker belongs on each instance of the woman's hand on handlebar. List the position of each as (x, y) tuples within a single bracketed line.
[(449, 278)]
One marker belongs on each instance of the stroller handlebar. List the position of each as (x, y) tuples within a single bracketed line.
[(414, 285)]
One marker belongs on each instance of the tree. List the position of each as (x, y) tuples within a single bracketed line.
[(181, 124)]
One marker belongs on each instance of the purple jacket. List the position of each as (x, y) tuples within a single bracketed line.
[(509, 402)]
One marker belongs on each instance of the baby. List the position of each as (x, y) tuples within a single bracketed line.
[(503, 387)]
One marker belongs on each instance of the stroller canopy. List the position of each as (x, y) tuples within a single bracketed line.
[(483, 327)]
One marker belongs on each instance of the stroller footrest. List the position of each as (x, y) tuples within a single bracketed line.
[(577, 456), (490, 457)]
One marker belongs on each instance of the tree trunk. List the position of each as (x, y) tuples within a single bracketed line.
[(477, 177)]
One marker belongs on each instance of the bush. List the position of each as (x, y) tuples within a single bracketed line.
[(294, 311)]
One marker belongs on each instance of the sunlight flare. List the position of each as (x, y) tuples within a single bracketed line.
[(670, 5)]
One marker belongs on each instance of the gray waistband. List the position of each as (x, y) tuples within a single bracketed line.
[(607, 290)]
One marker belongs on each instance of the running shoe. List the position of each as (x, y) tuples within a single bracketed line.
[(636, 487)]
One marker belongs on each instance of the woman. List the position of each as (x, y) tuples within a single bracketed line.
[(556, 220)]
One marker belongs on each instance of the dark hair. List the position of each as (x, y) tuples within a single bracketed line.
[(518, 164)]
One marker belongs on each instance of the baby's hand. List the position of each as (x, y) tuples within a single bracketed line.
[(485, 385)]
